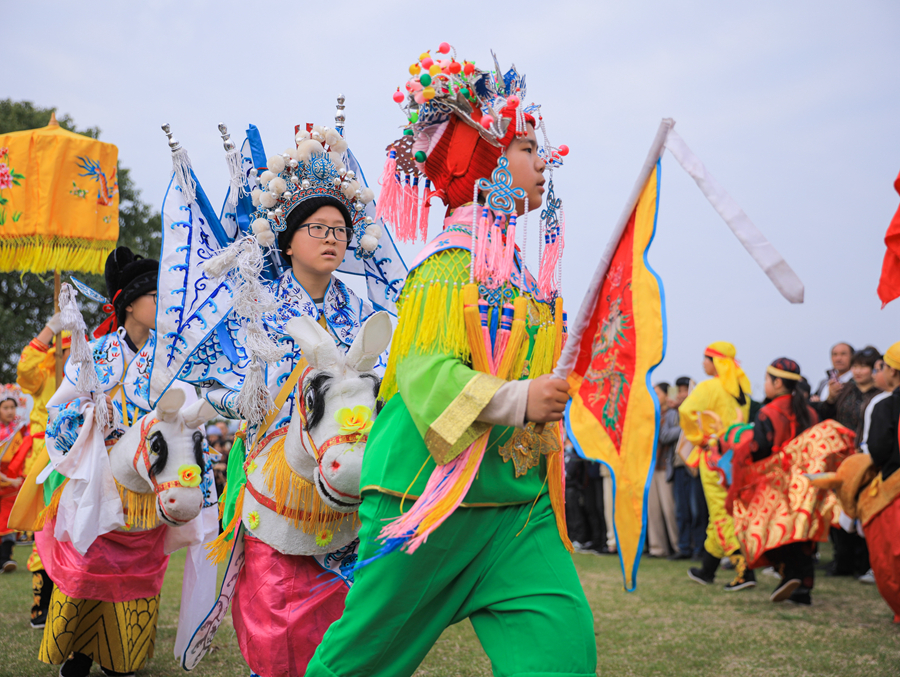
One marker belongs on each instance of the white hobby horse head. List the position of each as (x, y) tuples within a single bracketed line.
[(317, 447), (163, 454)]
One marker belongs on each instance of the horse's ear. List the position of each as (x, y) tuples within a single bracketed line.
[(371, 341), (198, 413), (170, 404), (316, 344)]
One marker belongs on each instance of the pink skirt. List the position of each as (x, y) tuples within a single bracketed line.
[(283, 604), (118, 567)]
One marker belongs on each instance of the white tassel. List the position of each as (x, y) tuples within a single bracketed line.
[(243, 262), (235, 177), (223, 262), (181, 164), (101, 413), (81, 356), (255, 401), (260, 345), (69, 315)]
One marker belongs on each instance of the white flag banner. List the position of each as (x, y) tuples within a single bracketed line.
[(762, 251)]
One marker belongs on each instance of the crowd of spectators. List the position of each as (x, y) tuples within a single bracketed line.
[(220, 438), (677, 512)]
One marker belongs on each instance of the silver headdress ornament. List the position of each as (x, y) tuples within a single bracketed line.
[(236, 187), (181, 164), (315, 168)]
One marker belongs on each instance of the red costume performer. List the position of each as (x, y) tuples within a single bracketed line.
[(778, 514)]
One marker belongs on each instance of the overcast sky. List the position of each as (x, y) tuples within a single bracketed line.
[(793, 107)]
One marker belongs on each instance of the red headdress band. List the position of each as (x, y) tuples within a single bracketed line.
[(110, 324)]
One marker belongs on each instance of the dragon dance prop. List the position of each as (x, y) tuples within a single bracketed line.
[(59, 201), (619, 338)]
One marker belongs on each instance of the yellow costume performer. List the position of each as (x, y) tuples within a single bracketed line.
[(727, 396), (36, 375)]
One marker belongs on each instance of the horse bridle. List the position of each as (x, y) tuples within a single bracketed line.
[(316, 451), (142, 453)]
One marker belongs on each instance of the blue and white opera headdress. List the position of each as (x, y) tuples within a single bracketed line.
[(202, 335)]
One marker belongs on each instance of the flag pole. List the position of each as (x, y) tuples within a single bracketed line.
[(58, 339)]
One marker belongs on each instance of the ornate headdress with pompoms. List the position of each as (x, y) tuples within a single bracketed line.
[(315, 168), (460, 120)]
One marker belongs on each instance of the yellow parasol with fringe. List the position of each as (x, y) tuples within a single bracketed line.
[(59, 204), (59, 201)]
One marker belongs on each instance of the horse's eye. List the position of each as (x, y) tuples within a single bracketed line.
[(310, 399)]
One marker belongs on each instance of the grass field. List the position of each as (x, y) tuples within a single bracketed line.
[(669, 626)]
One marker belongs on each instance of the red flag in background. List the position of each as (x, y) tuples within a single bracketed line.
[(889, 284)]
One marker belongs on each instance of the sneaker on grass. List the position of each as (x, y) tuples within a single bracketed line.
[(784, 590)]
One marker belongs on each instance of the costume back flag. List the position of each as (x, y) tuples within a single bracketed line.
[(613, 416), (889, 284), (619, 337), (59, 201)]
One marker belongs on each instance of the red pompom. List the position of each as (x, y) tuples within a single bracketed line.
[(564, 150), (455, 67), (444, 48), (469, 68), (486, 121), (398, 97), (427, 62)]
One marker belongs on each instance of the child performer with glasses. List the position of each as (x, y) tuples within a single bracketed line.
[(312, 215), (314, 243)]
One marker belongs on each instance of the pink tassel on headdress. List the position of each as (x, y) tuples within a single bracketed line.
[(405, 225), (554, 243), (495, 254), (425, 210), (414, 220), (509, 251), (481, 244), (391, 191)]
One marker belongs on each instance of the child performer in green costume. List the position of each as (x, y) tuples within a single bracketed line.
[(460, 454)]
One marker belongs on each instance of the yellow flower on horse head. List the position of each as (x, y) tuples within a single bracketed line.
[(356, 420), (189, 475)]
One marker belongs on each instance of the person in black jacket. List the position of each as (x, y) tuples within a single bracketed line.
[(884, 493)]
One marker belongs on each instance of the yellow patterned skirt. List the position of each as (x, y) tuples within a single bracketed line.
[(120, 636), (776, 504)]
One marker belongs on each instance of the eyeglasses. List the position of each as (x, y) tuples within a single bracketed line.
[(320, 231), (152, 296)]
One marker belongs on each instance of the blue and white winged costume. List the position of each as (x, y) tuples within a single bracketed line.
[(225, 292)]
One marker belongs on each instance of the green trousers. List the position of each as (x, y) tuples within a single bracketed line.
[(521, 593)]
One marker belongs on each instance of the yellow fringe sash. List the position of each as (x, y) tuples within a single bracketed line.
[(139, 509), (295, 498)]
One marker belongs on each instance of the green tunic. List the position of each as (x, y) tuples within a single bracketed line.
[(432, 417)]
